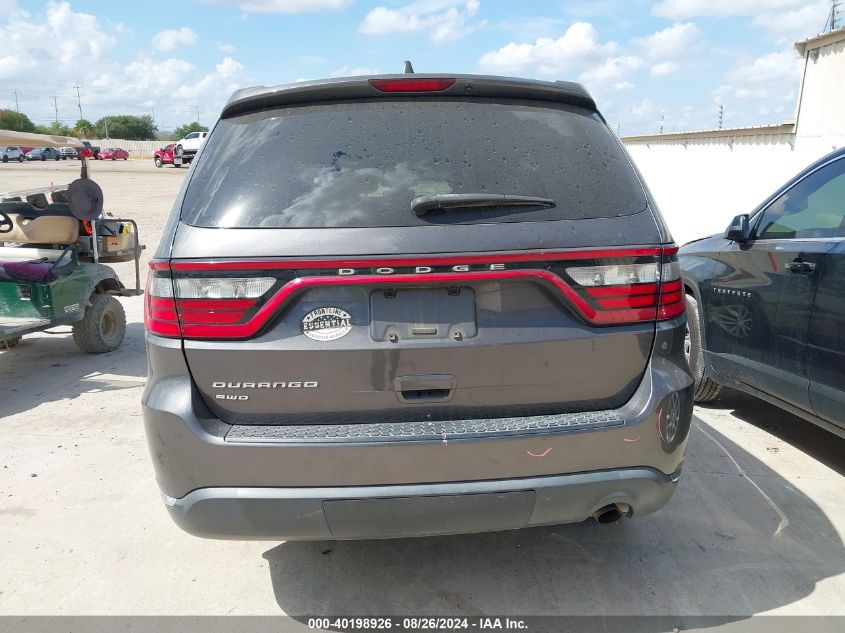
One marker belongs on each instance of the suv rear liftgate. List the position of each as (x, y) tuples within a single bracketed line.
[(383, 313)]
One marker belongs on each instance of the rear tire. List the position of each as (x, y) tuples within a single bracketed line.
[(705, 389), (20, 158), (9, 343), (103, 327)]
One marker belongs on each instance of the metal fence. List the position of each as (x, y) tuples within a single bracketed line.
[(136, 149)]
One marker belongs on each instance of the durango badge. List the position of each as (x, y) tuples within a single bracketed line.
[(326, 324)]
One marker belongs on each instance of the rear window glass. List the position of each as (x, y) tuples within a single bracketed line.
[(360, 164)]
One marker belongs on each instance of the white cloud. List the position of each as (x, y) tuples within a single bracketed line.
[(170, 39), (612, 70), (579, 45), (40, 60), (798, 24), (352, 71), (771, 79), (443, 20), (665, 68), (645, 109), (283, 6), (671, 42), (684, 9), (225, 47)]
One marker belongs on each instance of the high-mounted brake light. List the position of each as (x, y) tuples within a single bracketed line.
[(417, 84)]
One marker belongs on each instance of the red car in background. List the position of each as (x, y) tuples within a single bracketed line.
[(164, 155), (113, 153)]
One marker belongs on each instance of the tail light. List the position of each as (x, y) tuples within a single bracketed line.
[(630, 292), (236, 299), (195, 306)]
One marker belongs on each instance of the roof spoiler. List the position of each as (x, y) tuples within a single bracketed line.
[(349, 88)]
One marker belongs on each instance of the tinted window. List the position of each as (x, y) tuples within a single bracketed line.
[(815, 207), (361, 164)]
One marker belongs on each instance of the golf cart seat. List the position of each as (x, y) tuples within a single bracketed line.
[(41, 265), (43, 229)]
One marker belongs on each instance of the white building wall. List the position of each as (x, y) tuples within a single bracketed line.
[(821, 111), (702, 184)]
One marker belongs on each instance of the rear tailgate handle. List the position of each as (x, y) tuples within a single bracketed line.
[(427, 388)]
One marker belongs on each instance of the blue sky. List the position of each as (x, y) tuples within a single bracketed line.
[(644, 60)]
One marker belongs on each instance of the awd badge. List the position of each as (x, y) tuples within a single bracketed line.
[(326, 324)]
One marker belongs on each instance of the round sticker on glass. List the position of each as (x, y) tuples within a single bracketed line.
[(326, 324)]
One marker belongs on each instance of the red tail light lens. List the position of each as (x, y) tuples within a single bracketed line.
[(631, 292), (195, 306), (420, 84)]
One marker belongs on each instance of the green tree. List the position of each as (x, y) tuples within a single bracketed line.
[(83, 127), (16, 121), (56, 128), (127, 126), (182, 130)]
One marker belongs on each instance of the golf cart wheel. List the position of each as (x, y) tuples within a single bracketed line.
[(103, 327), (157, 161), (10, 342)]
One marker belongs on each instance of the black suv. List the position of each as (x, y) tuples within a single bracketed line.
[(410, 305), (766, 301)]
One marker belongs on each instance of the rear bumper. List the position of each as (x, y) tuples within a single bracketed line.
[(415, 510), (378, 480)]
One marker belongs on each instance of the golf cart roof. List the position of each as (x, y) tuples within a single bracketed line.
[(9, 137)]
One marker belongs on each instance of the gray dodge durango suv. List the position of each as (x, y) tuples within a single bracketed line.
[(409, 305)]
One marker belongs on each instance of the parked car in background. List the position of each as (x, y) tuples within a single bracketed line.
[(44, 153), (94, 149), (766, 300), (164, 155), (113, 153), (68, 152), (434, 329), (11, 153), (190, 144)]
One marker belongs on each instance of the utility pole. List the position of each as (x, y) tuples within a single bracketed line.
[(721, 115), (198, 112), (56, 106), (78, 98), (662, 121), (106, 124), (832, 21), (17, 107)]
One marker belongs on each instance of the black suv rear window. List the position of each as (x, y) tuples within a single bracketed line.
[(360, 164)]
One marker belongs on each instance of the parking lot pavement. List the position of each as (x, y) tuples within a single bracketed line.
[(756, 525)]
